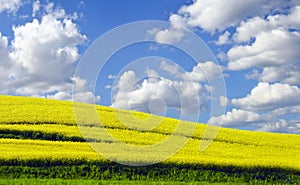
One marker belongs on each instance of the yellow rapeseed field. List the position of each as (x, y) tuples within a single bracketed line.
[(231, 147)]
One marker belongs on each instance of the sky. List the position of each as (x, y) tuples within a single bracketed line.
[(223, 62)]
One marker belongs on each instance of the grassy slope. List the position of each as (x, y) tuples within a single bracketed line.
[(42, 125)]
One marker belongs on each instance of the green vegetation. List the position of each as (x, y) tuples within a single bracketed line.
[(40, 139), (158, 172), (97, 182)]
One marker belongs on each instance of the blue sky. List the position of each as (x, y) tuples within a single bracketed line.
[(255, 51)]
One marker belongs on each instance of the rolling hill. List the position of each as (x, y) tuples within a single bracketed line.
[(40, 138)]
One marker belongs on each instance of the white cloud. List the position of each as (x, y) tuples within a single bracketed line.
[(282, 125), (212, 15), (171, 35), (5, 64), (274, 43), (254, 26), (294, 126), (224, 101), (111, 77), (204, 71), (86, 97), (46, 50), (277, 47), (81, 92), (251, 28), (274, 49), (209, 15), (295, 110), (42, 56), (285, 110), (108, 86), (222, 56), (172, 69), (263, 122), (267, 96), (60, 96), (266, 40), (77, 90), (3, 49), (184, 92), (286, 74), (124, 86), (236, 117), (266, 108), (223, 39), (186, 96), (151, 73), (127, 81), (216, 15), (36, 5), (10, 6)]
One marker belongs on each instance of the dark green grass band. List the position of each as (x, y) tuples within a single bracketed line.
[(38, 135), (81, 169), (101, 182)]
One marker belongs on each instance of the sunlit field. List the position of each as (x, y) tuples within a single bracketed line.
[(39, 138)]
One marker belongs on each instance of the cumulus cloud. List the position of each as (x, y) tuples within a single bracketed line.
[(267, 96), (171, 35), (282, 125), (47, 48), (261, 122), (223, 39), (266, 108), (10, 6), (186, 90), (127, 81), (236, 117), (254, 26), (151, 73), (42, 56), (274, 49), (269, 49), (286, 74), (205, 71), (212, 15), (172, 69), (182, 95), (86, 97), (224, 101), (202, 72), (3, 49), (77, 92), (295, 109), (269, 46), (265, 41), (5, 63)]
